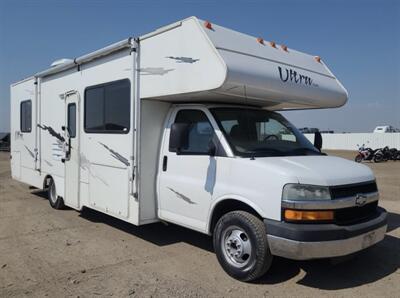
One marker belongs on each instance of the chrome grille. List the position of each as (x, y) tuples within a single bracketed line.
[(350, 190)]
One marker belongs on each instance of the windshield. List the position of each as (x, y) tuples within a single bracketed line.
[(261, 133)]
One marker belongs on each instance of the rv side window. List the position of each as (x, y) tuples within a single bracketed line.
[(26, 116), (107, 108), (200, 133), (72, 120)]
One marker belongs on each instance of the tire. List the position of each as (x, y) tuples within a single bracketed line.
[(358, 158), (241, 246), (55, 201), (378, 158)]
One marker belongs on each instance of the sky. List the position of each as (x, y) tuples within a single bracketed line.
[(358, 40)]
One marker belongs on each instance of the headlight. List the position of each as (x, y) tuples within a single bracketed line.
[(303, 192)]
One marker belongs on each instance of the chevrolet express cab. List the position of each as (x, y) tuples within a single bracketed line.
[(182, 125)]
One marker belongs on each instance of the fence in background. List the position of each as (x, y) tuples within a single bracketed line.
[(349, 141)]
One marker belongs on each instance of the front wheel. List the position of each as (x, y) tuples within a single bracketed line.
[(358, 158), (241, 246), (55, 201)]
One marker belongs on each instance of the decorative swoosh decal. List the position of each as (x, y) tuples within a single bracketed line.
[(154, 71), (30, 152), (52, 132), (183, 197), (116, 155), (183, 59)]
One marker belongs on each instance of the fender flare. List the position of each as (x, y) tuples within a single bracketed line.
[(226, 197)]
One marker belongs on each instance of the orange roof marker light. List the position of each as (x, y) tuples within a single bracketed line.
[(284, 48), (318, 59), (272, 44), (260, 40), (208, 25)]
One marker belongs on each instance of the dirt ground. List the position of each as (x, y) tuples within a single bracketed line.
[(45, 252)]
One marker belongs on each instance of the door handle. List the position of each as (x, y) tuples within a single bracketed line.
[(165, 163)]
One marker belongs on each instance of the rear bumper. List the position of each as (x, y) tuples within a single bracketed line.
[(312, 241)]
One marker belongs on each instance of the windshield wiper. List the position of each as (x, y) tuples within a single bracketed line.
[(305, 149), (256, 152)]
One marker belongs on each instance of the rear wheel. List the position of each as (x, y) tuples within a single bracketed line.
[(55, 201), (378, 157), (240, 243)]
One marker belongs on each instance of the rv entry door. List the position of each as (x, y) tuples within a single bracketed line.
[(72, 153)]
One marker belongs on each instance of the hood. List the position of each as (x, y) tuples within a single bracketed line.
[(320, 170)]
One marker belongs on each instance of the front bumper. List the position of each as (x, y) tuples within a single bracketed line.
[(312, 241)]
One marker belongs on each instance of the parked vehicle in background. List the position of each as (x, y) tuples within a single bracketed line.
[(181, 125), (308, 130), (390, 154), (385, 129), (376, 155), (394, 154), (4, 141), (379, 155), (368, 154)]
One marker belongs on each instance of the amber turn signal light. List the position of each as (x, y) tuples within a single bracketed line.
[(285, 48), (308, 215), (208, 25)]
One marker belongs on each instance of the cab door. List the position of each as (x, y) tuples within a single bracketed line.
[(187, 178)]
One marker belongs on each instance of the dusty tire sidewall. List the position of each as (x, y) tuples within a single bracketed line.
[(237, 273), (57, 203)]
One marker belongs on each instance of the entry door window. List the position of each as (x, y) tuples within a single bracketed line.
[(26, 116), (200, 132), (72, 120)]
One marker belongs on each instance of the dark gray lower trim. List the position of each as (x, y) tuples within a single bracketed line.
[(323, 232)]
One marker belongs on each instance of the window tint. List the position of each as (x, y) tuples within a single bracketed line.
[(257, 132), (26, 116), (107, 108), (200, 132), (94, 109), (274, 130), (72, 120)]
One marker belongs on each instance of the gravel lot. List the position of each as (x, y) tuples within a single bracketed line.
[(45, 252)]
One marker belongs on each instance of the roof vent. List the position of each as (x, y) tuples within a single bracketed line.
[(61, 61)]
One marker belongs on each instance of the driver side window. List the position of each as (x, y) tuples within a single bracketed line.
[(274, 130), (200, 132)]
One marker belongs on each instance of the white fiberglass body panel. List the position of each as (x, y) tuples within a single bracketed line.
[(179, 61), (319, 170), (24, 135), (190, 62)]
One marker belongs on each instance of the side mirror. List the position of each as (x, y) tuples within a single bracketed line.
[(318, 140), (179, 137)]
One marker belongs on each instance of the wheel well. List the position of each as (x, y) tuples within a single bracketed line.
[(226, 206), (46, 181)]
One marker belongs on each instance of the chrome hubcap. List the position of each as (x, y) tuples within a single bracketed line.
[(236, 246)]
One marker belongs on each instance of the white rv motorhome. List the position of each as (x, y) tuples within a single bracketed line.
[(180, 125)]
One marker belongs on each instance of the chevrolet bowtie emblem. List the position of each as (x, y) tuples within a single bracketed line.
[(360, 200)]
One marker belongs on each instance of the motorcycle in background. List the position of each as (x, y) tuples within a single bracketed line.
[(377, 155), (364, 153)]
